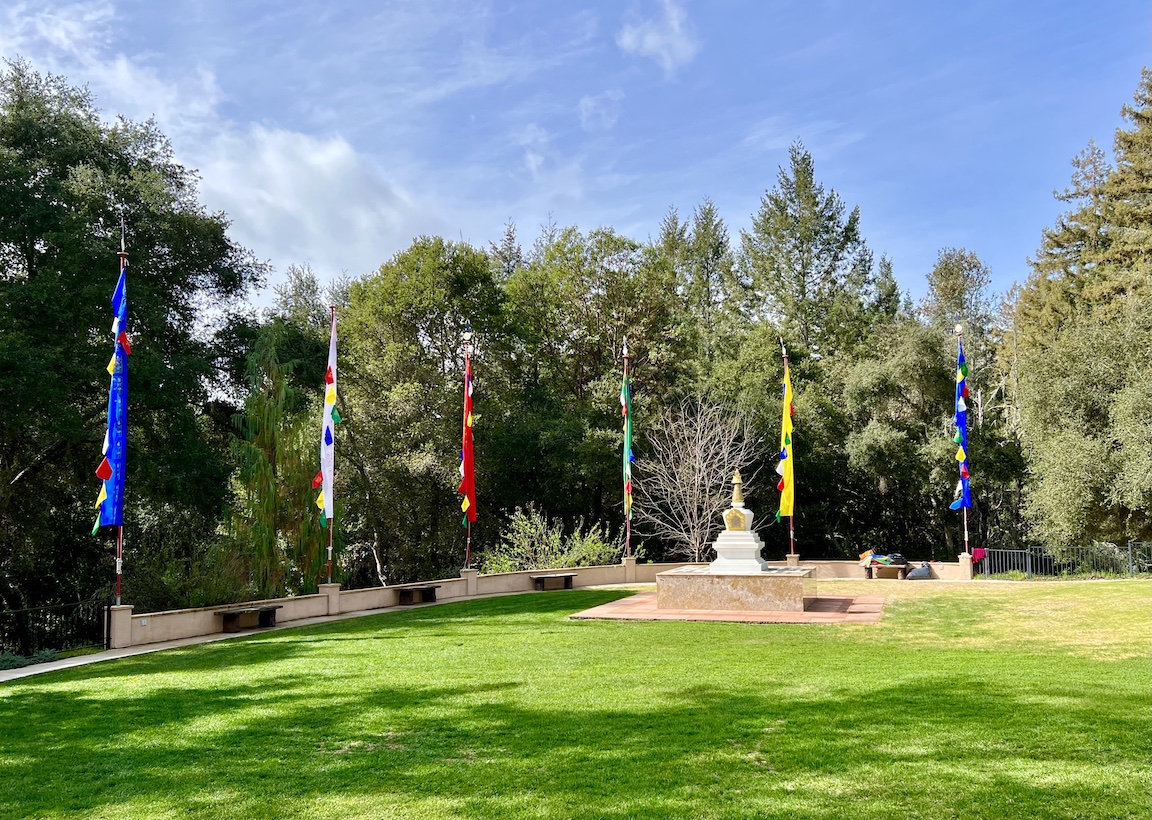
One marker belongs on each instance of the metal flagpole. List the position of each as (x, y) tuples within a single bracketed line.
[(468, 369), (959, 347), (628, 420), (119, 559), (120, 528), (792, 517), (332, 523)]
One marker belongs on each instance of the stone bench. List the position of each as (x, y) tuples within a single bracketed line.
[(540, 581), (873, 570), (265, 616), (417, 594)]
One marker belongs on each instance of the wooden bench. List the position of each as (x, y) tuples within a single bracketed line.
[(421, 594), (540, 581), (265, 616), (901, 570)]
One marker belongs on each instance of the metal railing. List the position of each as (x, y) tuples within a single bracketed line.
[(60, 627), (1100, 560)]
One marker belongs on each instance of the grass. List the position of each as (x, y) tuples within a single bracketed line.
[(966, 701)]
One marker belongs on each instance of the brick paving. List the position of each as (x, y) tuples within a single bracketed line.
[(859, 609)]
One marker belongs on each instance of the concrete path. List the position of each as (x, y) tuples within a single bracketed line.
[(144, 649)]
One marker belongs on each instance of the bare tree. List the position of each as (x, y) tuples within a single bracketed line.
[(687, 478)]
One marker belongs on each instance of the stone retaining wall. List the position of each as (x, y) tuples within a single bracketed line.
[(154, 627)]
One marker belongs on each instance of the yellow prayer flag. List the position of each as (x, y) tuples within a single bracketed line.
[(787, 484)]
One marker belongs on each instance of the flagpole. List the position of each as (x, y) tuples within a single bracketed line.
[(467, 369), (119, 559), (959, 348), (792, 517), (627, 512), (332, 523), (123, 254)]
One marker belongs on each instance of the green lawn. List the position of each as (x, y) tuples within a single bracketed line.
[(966, 701)]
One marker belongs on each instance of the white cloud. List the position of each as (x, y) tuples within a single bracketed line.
[(291, 196), (309, 199), (534, 140), (600, 112), (669, 40)]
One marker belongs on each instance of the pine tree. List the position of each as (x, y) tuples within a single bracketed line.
[(808, 266)]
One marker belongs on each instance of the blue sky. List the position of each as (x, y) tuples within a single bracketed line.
[(333, 133)]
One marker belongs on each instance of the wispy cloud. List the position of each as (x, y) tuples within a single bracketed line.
[(600, 112), (668, 39), (773, 134), (534, 140)]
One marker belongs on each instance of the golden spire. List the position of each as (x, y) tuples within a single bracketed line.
[(737, 490)]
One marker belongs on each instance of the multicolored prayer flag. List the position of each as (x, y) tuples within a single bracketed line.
[(467, 466), (110, 501), (629, 456), (331, 417), (960, 420), (786, 469)]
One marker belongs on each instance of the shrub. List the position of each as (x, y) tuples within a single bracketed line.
[(10, 661), (531, 541)]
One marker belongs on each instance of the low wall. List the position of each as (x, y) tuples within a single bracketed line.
[(851, 570), (154, 627)]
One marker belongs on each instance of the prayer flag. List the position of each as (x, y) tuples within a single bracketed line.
[(112, 467), (467, 465), (786, 468), (960, 418), (629, 456), (327, 438)]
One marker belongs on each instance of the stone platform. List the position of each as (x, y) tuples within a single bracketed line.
[(775, 589), (858, 609)]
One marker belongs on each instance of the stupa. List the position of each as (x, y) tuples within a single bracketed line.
[(739, 579)]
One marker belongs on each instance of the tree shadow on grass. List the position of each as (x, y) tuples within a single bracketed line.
[(939, 746)]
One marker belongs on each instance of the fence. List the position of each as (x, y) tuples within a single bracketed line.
[(61, 627), (1101, 560)]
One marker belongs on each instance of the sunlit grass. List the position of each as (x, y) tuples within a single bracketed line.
[(965, 701)]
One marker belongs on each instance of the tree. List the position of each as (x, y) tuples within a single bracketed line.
[(402, 366), (1081, 343), (899, 450), (67, 180), (276, 524), (958, 292), (299, 300), (807, 262), (687, 477)]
